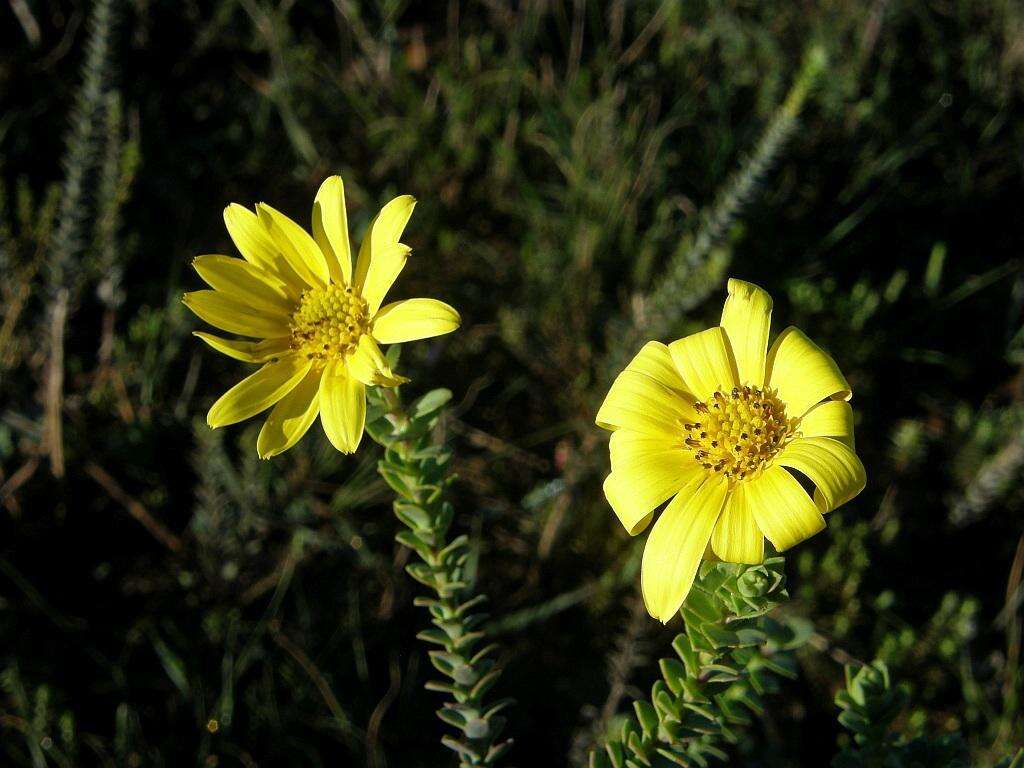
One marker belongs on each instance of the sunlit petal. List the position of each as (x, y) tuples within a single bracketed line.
[(299, 249), (259, 391), (833, 467), (290, 418), (640, 403), (746, 318), (803, 374), (783, 510), (413, 319), (646, 471), (705, 362), (676, 545), (330, 229), (342, 408), (736, 538), (247, 351), (234, 316)]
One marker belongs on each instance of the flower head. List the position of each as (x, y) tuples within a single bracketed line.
[(716, 424), (317, 323)]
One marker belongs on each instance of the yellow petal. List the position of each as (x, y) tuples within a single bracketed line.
[(655, 360), (249, 236), (746, 318), (257, 247), (367, 364), (802, 373), (837, 473), (244, 281), (675, 546), (737, 539), (342, 408), (413, 319), (290, 418), (330, 229), (259, 391), (619, 496), (646, 471), (833, 418), (381, 255), (233, 316), (705, 362), (247, 351), (386, 265), (638, 402), (298, 248), (783, 510)]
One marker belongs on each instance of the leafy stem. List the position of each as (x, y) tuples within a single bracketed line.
[(415, 466), (727, 661)]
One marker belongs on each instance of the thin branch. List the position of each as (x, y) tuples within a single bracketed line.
[(134, 507), (315, 675), (53, 401)]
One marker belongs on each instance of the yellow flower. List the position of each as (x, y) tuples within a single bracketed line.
[(318, 324), (715, 424)]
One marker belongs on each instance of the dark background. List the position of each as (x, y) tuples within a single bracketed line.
[(567, 159)]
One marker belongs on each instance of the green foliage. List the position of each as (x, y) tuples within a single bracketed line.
[(416, 468), (34, 715), (83, 141), (870, 705), (729, 659)]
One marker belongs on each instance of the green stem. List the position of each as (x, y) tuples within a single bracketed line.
[(728, 659), (415, 465)]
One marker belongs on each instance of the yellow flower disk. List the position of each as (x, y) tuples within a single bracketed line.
[(329, 323)]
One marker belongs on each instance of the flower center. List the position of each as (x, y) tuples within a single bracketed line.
[(328, 323), (738, 432)]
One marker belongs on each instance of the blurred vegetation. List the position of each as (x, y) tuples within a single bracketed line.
[(588, 175)]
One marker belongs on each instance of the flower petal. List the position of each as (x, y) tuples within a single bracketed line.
[(638, 402), (381, 255), (645, 472), (247, 351), (367, 364), (342, 408), (737, 539), (838, 475), (231, 315), (243, 281), (330, 229), (299, 249), (655, 361), (676, 545), (832, 418), (257, 247), (290, 418), (783, 510), (386, 264), (705, 362), (259, 391), (413, 319), (746, 318), (802, 373)]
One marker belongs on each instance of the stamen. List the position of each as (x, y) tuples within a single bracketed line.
[(329, 323), (745, 428)]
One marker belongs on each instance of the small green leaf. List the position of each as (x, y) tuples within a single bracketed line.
[(430, 403)]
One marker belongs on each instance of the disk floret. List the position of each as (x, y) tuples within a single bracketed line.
[(328, 323), (738, 432)]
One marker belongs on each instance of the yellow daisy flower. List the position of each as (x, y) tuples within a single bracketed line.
[(318, 324), (714, 423)]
